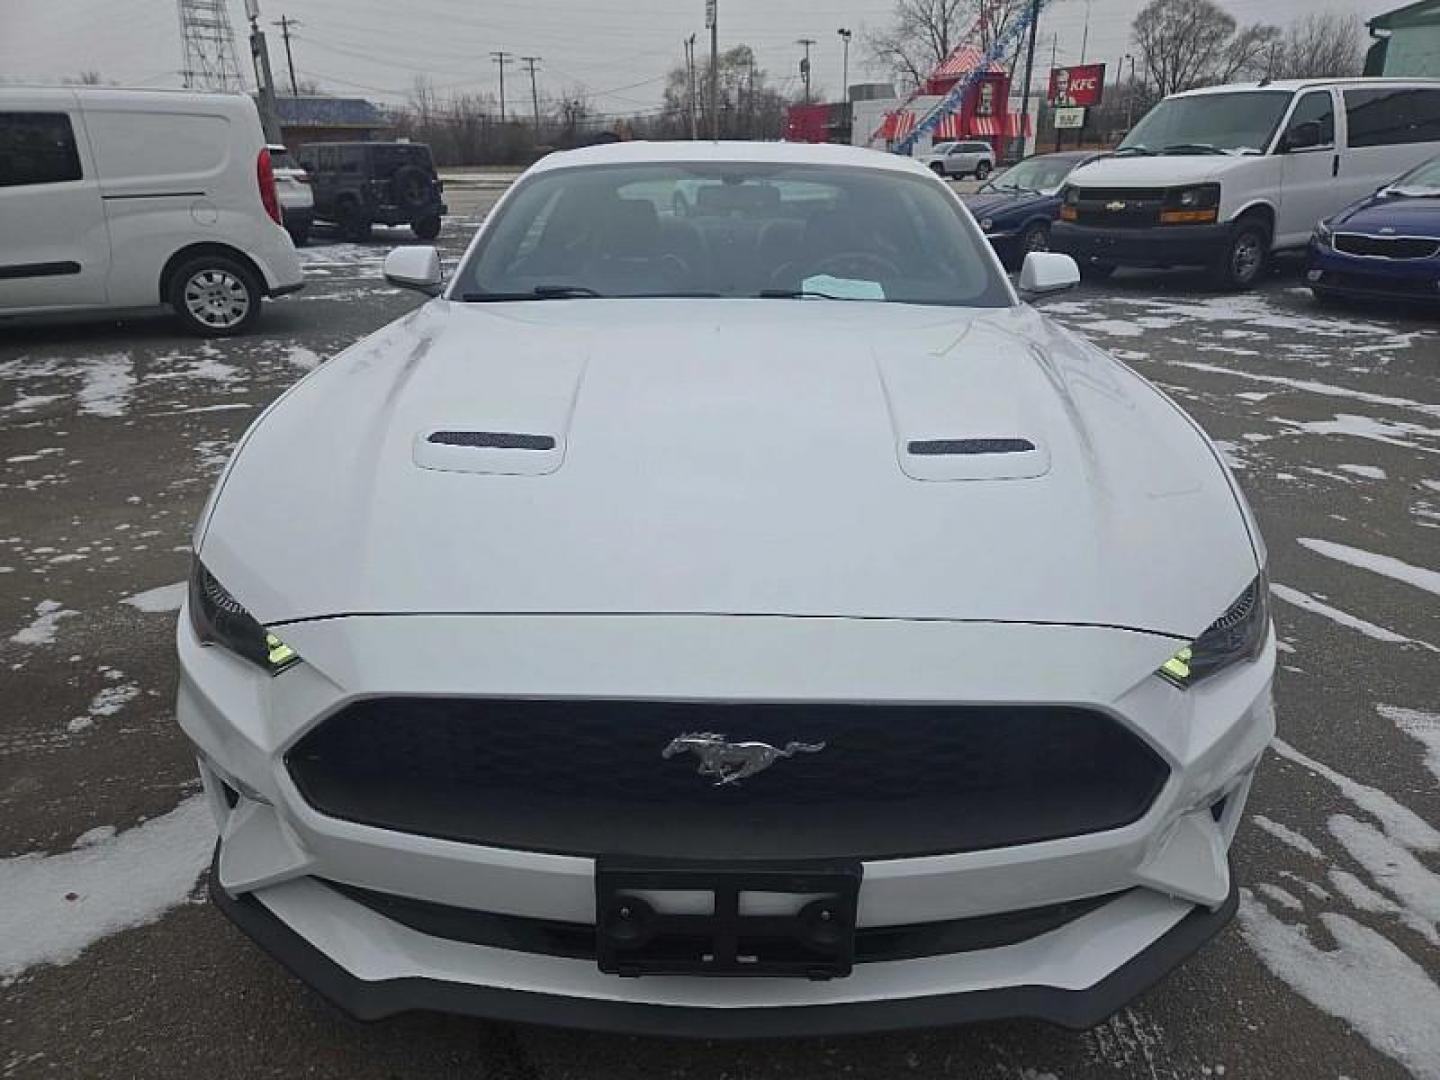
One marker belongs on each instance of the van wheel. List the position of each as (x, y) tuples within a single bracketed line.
[(1244, 258), (982, 170), (215, 296), (938, 169), (426, 228)]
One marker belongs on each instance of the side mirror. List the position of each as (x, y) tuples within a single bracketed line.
[(417, 268), (1303, 136), (1048, 272)]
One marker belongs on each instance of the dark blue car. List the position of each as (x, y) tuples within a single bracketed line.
[(1015, 209), (1387, 245)]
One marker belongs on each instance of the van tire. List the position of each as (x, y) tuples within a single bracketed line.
[(1245, 257), (938, 169), (215, 296), (426, 228), (982, 170)]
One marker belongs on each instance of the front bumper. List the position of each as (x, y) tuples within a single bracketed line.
[(377, 998), (1160, 246), (1168, 871), (1334, 272)]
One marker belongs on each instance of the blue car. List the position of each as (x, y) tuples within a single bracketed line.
[(1385, 246), (1015, 209)]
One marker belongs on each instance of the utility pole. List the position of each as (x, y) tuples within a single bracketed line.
[(1054, 50), (1029, 72), (501, 57), (690, 65), (805, 64), (1085, 38), (712, 21), (265, 81), (1130, 92), (285, 25), (845, 36), (530, 62)]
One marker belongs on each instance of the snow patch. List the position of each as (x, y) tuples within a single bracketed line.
[(301, 357), (107, 702), (1287, 835), (56, 906), (1424, 727), (1385, 565), (1369, 472), (1308, 603), (42, 631), (159, 599), (108, 381)]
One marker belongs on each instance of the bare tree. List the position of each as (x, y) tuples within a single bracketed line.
[(1188, 43), (85, 78), (1325, 45), (920, 35), (749, 106)]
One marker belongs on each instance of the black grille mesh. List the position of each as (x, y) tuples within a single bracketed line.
[(587, 777)]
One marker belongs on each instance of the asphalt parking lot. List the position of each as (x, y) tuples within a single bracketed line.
[(112, 964)]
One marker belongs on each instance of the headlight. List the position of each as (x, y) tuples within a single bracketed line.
[(1195, 205), (1070, 196), (1324, 235), (986, 224), (219, 619), (1237, 635)]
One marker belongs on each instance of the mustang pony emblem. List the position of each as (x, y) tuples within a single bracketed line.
[(732, 762)]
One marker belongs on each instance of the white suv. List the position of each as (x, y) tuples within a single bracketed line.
[(114, 199), (960, 159)]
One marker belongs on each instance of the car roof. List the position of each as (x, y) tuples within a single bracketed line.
[(756, 153), (1304, 84)]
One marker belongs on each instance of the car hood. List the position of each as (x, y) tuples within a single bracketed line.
[(1407, 216), (1159, 171), (728, 456), (997, 204)]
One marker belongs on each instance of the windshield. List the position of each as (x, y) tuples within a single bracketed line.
[(1043, 174), (1421, 181), (942, 148), (393, 155), (732, 230), (1209, 123)]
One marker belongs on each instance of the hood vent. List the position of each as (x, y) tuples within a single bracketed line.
[(493, 440), (946, 447), (493, 453)]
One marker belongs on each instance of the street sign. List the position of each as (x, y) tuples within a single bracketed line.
[(1069, 118), (1071, 86)]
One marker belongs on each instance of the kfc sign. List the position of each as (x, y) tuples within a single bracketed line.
[(1077, 86)]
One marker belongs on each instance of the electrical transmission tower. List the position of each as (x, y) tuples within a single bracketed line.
[(210, 59)]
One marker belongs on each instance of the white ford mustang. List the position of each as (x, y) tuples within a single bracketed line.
[(727, 610)]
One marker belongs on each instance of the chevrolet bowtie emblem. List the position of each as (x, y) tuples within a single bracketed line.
[(1116, 205)]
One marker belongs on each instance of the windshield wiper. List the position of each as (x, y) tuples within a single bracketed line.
[(1137, 150), (800, 294), (540, 292), (1193, 148)]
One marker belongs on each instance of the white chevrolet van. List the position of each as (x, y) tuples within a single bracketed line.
[(115, 199), (1224, 176)]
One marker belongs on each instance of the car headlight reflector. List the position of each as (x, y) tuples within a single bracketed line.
[(219, 619), (1239, 634)]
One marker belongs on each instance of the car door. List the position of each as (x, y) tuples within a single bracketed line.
[(1309, 166), (961, 159), (54, 243)]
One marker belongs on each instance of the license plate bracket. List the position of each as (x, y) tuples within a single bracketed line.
[(637, 936)]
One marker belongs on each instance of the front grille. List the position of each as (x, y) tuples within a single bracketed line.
[(588, 778), (1119, 207), (1387, 247), (1424, 288), (576, 941)]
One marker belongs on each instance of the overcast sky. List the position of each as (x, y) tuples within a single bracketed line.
[(618, 50)]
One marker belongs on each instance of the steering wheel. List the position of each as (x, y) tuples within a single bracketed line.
[(855, 264)]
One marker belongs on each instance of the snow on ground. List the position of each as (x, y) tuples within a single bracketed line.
[(161, 598), (1422, 726), (48, 614), (1387, 565), (1356, 971), (1369, 472), (58, 905), (107, 384), (1306, 602), (109, 701)]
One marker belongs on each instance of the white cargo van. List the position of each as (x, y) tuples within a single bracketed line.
[(1222, 177), (113, 199)]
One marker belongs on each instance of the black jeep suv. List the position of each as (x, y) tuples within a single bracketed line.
[(357, 184)]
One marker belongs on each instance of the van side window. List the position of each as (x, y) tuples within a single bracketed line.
[(37, 148), (1388, 117), (1317, 107)]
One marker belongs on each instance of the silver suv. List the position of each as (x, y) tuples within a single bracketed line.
[(961, 159)]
